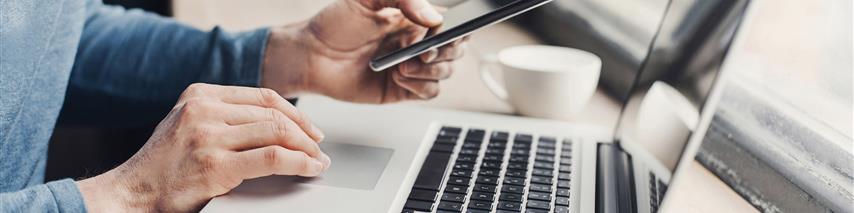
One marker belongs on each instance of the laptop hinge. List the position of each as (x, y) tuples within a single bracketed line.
[(615, 187)]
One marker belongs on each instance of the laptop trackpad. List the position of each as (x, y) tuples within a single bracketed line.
[(353, 166)]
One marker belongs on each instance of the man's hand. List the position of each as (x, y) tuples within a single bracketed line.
[(329, 54), (212, 140)]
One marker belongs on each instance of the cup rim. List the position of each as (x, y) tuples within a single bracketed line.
[(502, 58)]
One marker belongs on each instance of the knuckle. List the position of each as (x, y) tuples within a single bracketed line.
[(268, 96), (194, 90), (303, 164), (273, 156), (208, 161), (200, 137), (279, 128)]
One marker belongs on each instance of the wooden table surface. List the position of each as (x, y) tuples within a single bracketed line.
[(700, 192)]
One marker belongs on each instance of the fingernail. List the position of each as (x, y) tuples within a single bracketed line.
[(317, 133), (430, 15), (325, 160), (318, 167), (430, 56)]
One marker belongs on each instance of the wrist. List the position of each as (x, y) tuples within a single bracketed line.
[(286, 68), (103, 193)]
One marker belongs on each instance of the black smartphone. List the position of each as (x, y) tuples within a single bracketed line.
[(459, 22)]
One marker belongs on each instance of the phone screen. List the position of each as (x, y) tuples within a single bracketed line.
[(461, 13), (459, 20)]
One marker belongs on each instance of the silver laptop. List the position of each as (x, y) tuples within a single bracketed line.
[(412, 159)]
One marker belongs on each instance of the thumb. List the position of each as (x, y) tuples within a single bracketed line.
[(420, 12)]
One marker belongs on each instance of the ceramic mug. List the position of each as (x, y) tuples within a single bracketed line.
[(543, 81)]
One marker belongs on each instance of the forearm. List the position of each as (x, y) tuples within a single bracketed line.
[(137, 63)]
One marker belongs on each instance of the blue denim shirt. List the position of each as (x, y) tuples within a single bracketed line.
[(101, 65)]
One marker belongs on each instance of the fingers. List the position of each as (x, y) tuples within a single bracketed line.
[(281, 133), (422, 71), (417, 11), (254, 96), (450, 52), (274, 160), (422, 89)]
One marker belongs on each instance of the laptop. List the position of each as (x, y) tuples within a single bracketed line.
[(401, 158)]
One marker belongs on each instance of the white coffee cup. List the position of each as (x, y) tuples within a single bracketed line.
[(543, 81)]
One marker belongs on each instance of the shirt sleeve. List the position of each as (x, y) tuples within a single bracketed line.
[(131, 65), (57, 196)]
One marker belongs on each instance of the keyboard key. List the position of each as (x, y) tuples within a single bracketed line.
[(432, 171), (467, 158), (514, 181), (487, 180), (522, 146), (489, 172), (565, 168), (563, 184), (452, 206), (448, 141), (512, 189), (541, 180), (500, 135), (482, 205), (518, 158), (543, 172), (540, 188), (545, 151), (562, 209), (446, 211), (484, 188), (519, 152), (493, 158), (424, 195), (542, 165), (494, 151), (484, 196), (512, 206), (464, 165), (459, 180), (443, 148), (461, 173), (491, 164), (471, 145), (566, 161), (516, 165), (419, 205), (510, 197), (472, 210), (505, 211), (523, 137), (566, 154), (536, 204), (453, 197), (469, 151), (456, 189), (515, 173), (450, 131), (562, 201), (544, 158), (497, 145), (562, 192), (529, 210), (539, 196), (408, 211), (564, 176)]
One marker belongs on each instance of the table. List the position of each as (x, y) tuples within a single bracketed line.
[(701, 192)]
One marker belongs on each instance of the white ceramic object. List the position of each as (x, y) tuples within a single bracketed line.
[(543, 81), (665, 120)]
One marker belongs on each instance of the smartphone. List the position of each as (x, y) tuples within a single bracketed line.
[(459, 21)]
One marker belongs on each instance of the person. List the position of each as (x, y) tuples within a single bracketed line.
[(104, 65)]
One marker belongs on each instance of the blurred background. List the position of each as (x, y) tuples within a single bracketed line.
[(781, 138)]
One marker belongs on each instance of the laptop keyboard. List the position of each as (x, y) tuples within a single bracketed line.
[(657, 188), (505, 174)]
